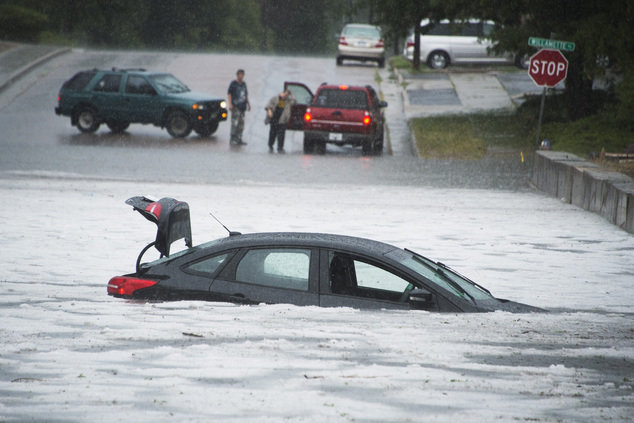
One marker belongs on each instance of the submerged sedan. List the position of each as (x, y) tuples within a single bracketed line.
[(296, 268)]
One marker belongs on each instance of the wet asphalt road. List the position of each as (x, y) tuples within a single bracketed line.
[(36, 141)]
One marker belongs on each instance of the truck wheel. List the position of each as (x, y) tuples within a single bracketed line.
[(309, 145), (117, 126), (178, 125), (378, 144), (87, 120), (367, 147), (207, 130)]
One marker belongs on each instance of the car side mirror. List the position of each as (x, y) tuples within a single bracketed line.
[(382, 103), (421, 299)]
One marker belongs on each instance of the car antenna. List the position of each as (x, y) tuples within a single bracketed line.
[(231, 233)]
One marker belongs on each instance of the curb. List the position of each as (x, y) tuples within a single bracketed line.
[(30, 66)]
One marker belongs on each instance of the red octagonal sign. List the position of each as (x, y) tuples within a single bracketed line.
[(548, 67)]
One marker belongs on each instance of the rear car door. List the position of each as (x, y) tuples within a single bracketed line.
[(106, 96), (303, 96), (466, 44), (270, 275)]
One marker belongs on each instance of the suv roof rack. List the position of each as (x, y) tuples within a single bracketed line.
[(115, 69)]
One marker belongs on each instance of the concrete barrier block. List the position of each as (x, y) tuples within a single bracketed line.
[(586, 185), (577, 191)]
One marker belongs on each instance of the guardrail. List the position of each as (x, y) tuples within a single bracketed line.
[(586, 185)]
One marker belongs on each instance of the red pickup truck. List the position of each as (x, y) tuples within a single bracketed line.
[(338, 114)]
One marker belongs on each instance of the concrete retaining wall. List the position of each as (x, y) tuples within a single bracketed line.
[(586, 185)]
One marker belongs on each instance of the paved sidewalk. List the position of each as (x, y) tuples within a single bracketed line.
[(452, 93)]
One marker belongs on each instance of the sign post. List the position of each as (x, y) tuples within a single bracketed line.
[(547, 68)]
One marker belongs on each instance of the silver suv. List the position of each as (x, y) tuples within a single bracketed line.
[(361, 42), (445, 42)]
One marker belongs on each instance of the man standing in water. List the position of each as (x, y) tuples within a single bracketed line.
[(238, 104)]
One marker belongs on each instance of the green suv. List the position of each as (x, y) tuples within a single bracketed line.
[(119, 97)]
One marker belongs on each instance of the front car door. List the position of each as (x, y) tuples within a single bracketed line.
[(348, 280), (304, 96), (140, 100), (270, 275)]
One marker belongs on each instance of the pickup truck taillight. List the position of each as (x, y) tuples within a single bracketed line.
[(308, 116), (367, 119)]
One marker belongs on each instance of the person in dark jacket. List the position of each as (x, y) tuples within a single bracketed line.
[(278, 112), (238, 97)]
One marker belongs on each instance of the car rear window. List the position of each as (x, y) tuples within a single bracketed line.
[(344, 99), (361, 31), (79, 80)]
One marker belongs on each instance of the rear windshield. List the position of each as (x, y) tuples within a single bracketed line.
[(361, 31), (79, 81), (343, 99)]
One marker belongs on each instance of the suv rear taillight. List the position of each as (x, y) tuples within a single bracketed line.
[(126, 286)]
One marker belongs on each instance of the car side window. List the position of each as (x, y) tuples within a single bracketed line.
[(471, 29), (301, 94), (138, 85), (360, 278), (209, 265), (275, 267), (108, 83), (436, 29)]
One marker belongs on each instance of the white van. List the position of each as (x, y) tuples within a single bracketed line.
[(445, 42)]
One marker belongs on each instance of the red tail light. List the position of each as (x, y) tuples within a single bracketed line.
[(126, 286), (380, 44), (367, 119), (307, 117), (410, 44), (342, 41)]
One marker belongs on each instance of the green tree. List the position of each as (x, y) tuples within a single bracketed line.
[(600, 29), (21, 23)]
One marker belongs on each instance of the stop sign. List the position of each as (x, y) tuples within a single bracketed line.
[(548, 67)]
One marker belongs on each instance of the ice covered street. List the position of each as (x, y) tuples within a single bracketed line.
[(72, 353)]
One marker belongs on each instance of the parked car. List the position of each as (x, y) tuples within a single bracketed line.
[(361, 42), (119, 97), (451, 42), (338, 114), (298, 268)]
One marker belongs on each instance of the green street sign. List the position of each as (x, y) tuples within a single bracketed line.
[(554, 44)]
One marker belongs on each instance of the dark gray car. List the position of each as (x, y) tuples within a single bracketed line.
[(298, 268)]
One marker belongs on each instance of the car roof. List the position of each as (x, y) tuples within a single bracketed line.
[(427, 21), (308, 239), (126, 70), (355, 25)]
